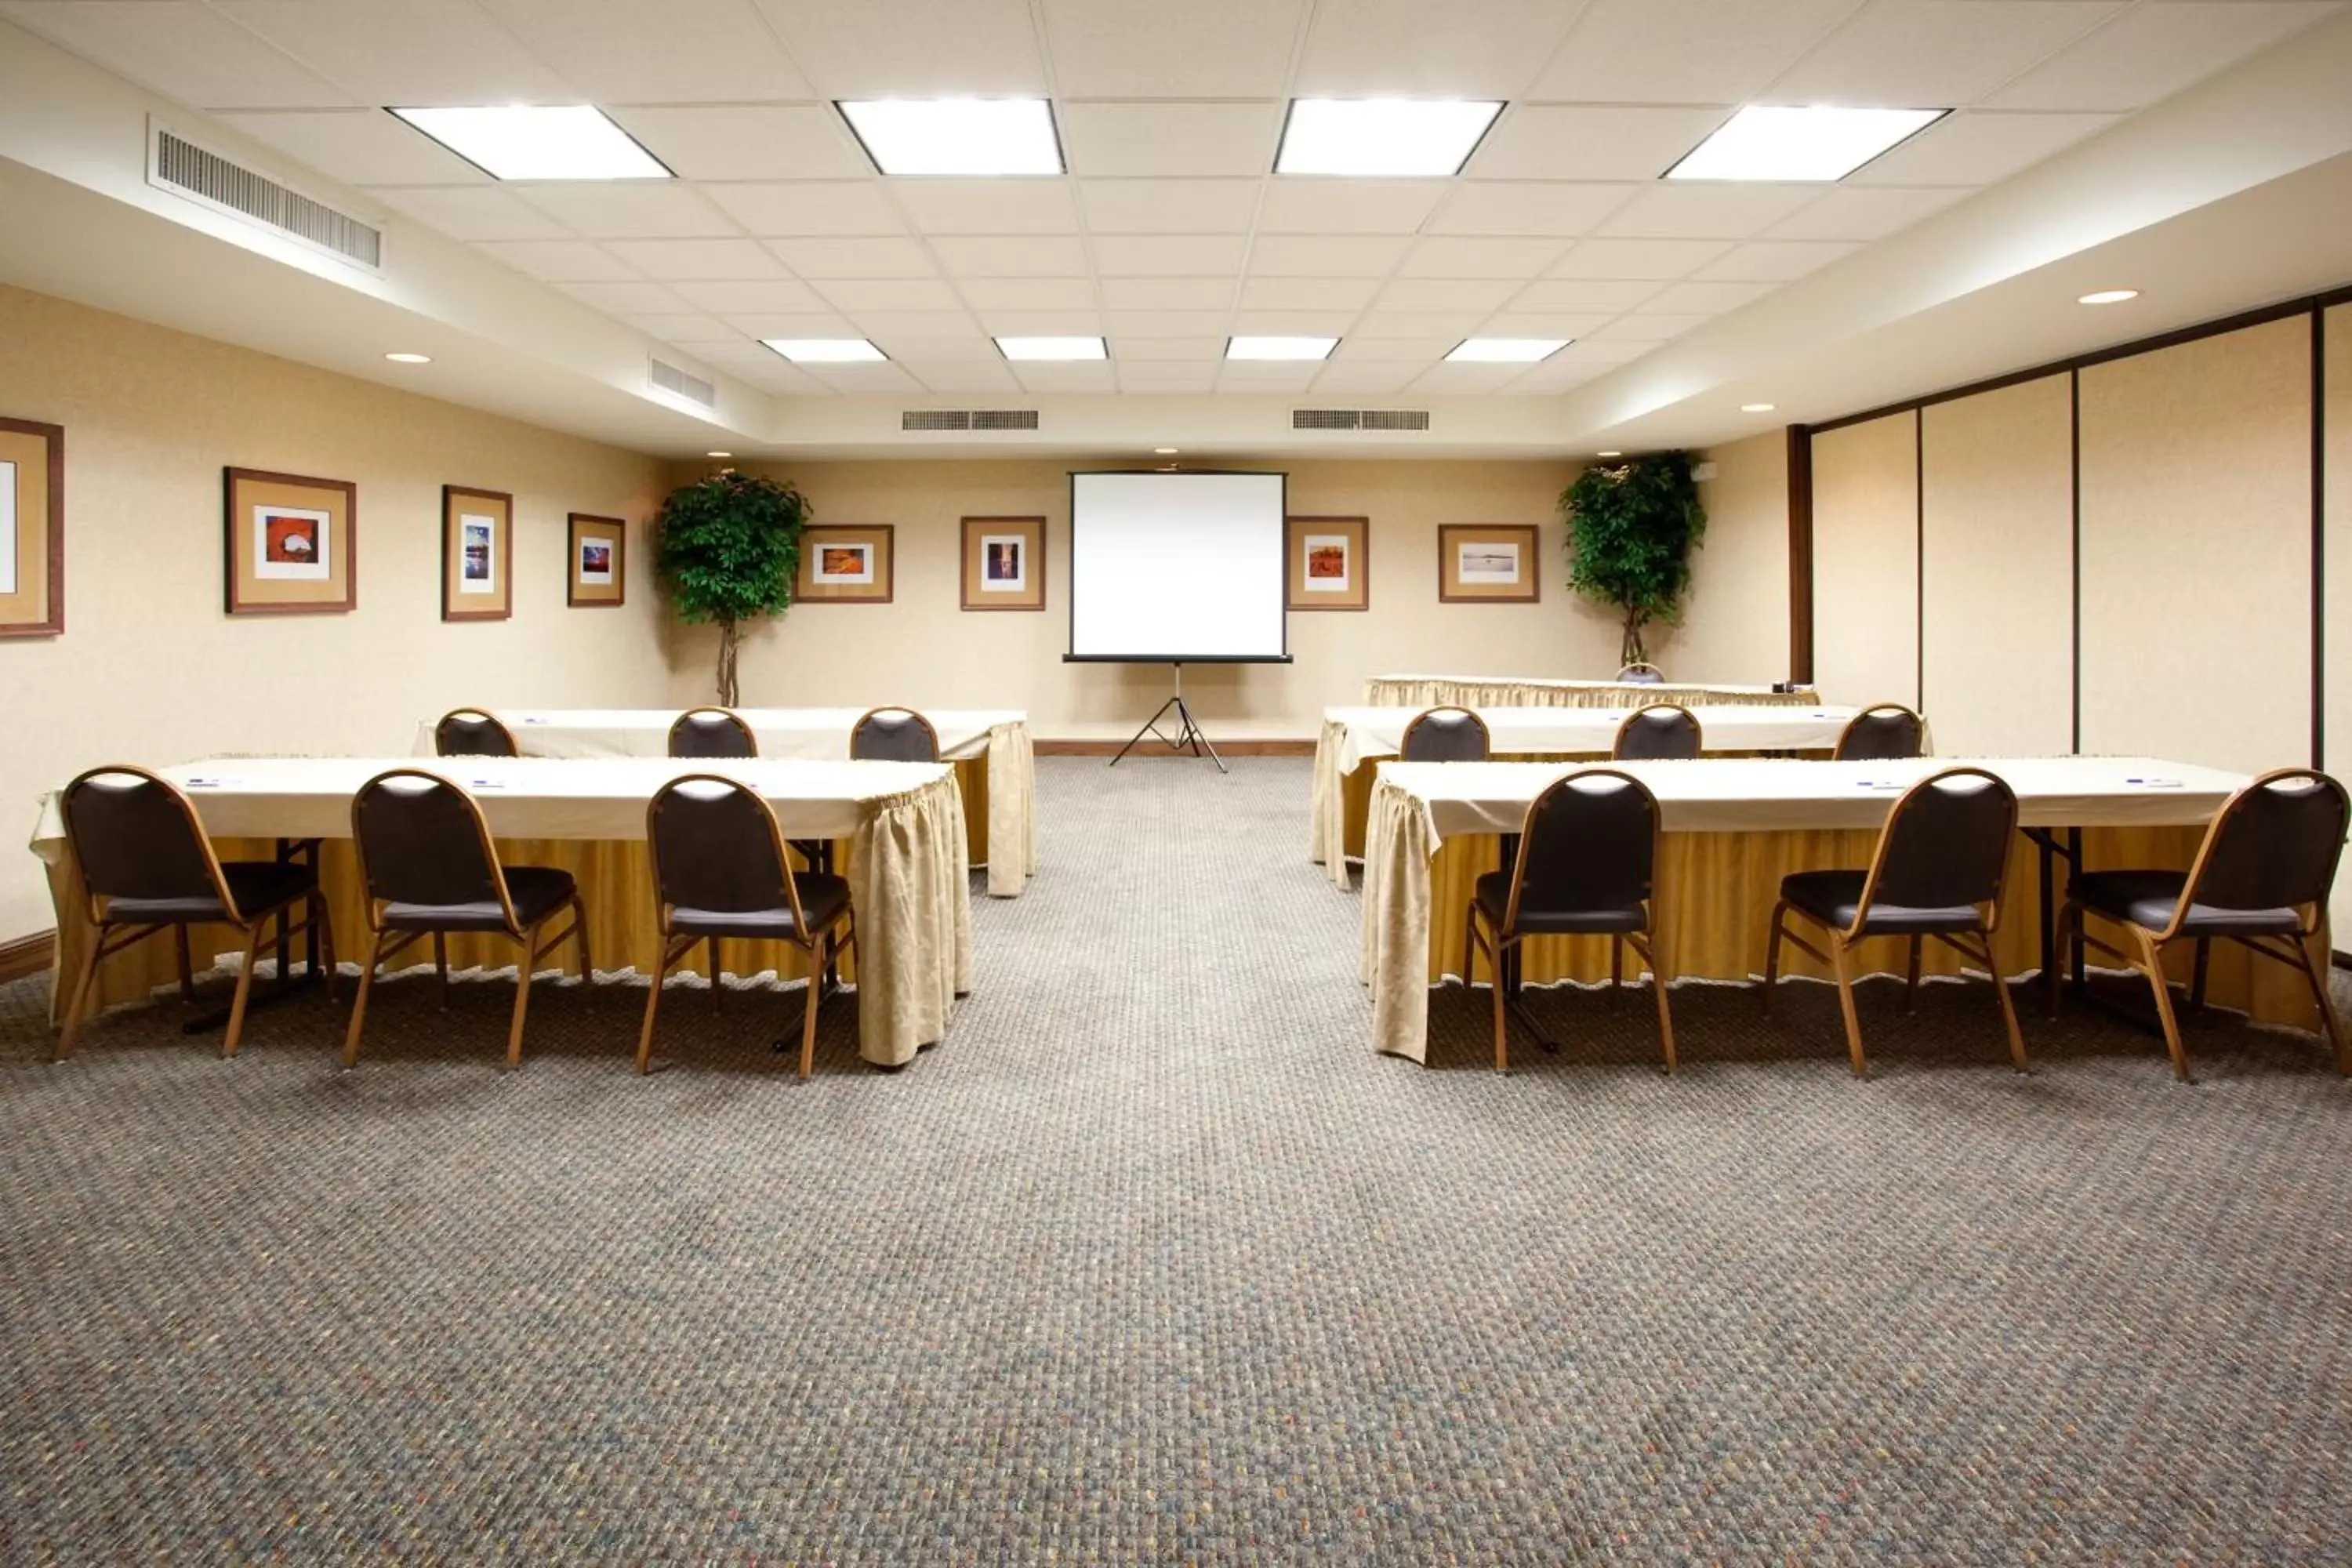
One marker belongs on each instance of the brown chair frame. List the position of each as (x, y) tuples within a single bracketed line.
[(818, 944), (1617, 741), (2149, 960), (929, 728), (1842, 943), (385, 949), (1498, 946), (483, 714), (1404, 745), (314, 919), (1837, 753), (742, 728)]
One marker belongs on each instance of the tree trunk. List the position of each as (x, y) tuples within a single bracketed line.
[(727, 645), (1629, 648)]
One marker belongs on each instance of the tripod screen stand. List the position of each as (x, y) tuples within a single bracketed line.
[(1188, 735)]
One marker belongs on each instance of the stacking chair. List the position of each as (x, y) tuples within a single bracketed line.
[(470, 733), (1444, 735), (711, 733), (1661, 730), (429, 869), (1643, 673), (1939, 870), (1586, 865), (147, 866), (894, 735), (2260, 879), (1883, 731), (720, 871)]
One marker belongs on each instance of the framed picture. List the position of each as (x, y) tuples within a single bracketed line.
[(1004, 563), (477, 554), (292, 542), (32, 529), (596, 560), (1327, 562), (844, 564), (1487, 562)]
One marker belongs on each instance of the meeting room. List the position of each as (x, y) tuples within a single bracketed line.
[(919, 781)]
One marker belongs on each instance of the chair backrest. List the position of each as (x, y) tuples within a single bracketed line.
[(1946, 844), (1643, 674), (1883, 731), (1445, 735), (470, 733), (1660, 730), (1590, 842), (716, 845), (135, 836), (422, 840), (2274, 845), (894, 735), (711, 733)]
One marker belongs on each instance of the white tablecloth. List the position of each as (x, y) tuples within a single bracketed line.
[(1539, 691)]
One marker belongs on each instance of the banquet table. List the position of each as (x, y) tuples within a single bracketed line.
[(1353, 736), (1733, 827), (901, 826), (996, 765), (1533, 691)]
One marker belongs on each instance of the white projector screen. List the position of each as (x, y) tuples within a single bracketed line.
[(1177, 567)]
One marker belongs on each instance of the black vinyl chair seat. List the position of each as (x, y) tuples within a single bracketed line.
[(1834, 898), (1444, 735), (258, 886), (823, 899), (2148, 898), (537, 891), (1493, 893)]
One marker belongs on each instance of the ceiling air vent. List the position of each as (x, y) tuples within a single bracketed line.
[(1359, 419), (182, 167), (968, 419), (693, 388)]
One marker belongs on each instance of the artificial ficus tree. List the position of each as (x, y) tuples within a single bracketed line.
[(728, 547), (1630, 532)]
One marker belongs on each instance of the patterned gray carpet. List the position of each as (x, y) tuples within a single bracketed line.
[(1154, 1261)]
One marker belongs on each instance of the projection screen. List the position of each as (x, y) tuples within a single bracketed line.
[(1177, 567)]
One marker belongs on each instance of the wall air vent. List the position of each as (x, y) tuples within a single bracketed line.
[(185, 169), (1359, 419), (682, 384), (1004, 419), (929, 419)]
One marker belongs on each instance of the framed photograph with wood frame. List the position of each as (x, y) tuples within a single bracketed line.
[(845, 564), (1487, 562), (596, 561), (1329, 563), (1004, 563), (32, 529), (477, 554), (292, 544)]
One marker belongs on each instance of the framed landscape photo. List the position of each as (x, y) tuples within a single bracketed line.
[(1489, 563), (1004, 563), (1329, 567), (32, 529), (477, 554), (596, 560), (845, 564), (292, 544)]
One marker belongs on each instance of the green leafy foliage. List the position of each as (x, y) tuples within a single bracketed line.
[(728, 548), (1630, 532)]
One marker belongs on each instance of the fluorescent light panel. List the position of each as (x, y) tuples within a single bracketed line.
[(1816, 143), (1052, 348), (532, 142), (1280, 348), (1392, 136), (2108, 297), (826, 351), (1505, 351), (957, 135)]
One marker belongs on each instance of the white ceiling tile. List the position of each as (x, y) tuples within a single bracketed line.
[(1266, 378), (2154, 50), (748, 140), (411, 53), (1638, 258), (1292, 323), (1584, 295), (1169, 207), (1462, 379), (1537, 142), (1325, 256), (649, 210), (808, 207), (1158, 379), (1707, 298), (988, 206), (1774, 260), (1012, 255), (911, 48), (1125, 324), (928, 325), (358, 146), (1064, 323), (1168, 294), (864, 380), (717, 260), (629, 299), (741, 297), (1452, 257), (181, 50), (1863, 212), (1393, 350), (1128, 139), (1409, 48), (1364, 378), (1149, 49), (1048, 377), (1452, 325), (690, 328), (1168, 256), (1550, 209), (1308, 293), (1978, 147), (917, 349), (794, 324), (1642, 329), (562, 260), (1604, 352), (1709, 211), (1935, 53), (1167, 351), (873, 255), (1313, 204), (854, 295), (680, 51), (1479, 294), (473, 212), (1543, 324), (1682, 51), (967, 378), (1552, 377), (1028, 293)]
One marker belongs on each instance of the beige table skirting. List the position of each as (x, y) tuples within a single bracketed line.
[(1514, 691)]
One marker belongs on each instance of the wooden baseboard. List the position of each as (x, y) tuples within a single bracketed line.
[(1152, 749), (27, 955)]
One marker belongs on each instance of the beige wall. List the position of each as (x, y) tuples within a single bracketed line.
[(2336, 647), (1866, 562), (1735, 617), (150, 669)]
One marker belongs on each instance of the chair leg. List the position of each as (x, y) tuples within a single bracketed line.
[(243, 989), (816, 995), (580, 930), (441, 968), (2197, 974), (2054, 982), (1838, 961), (2154, 968), (717, 991), (323, 933), (1502, 1028), (1911, 981), (1772, 954), (187, 969), (522, 997), (2008, 1006), (2315, 970), (81, 991), (1617, 969), (1665, 1019), (359, 1003), (653, 1006)]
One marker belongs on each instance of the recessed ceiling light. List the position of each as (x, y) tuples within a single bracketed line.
[(1279, 348), (1163, 451), (957, 135), (1608, 454), (718, 454), (1052, 348), (409, 358), (826, 351), (527, 141), (1505, 351), (1756, 408), (1816, 143), (1393, 136), (2108, 297)]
